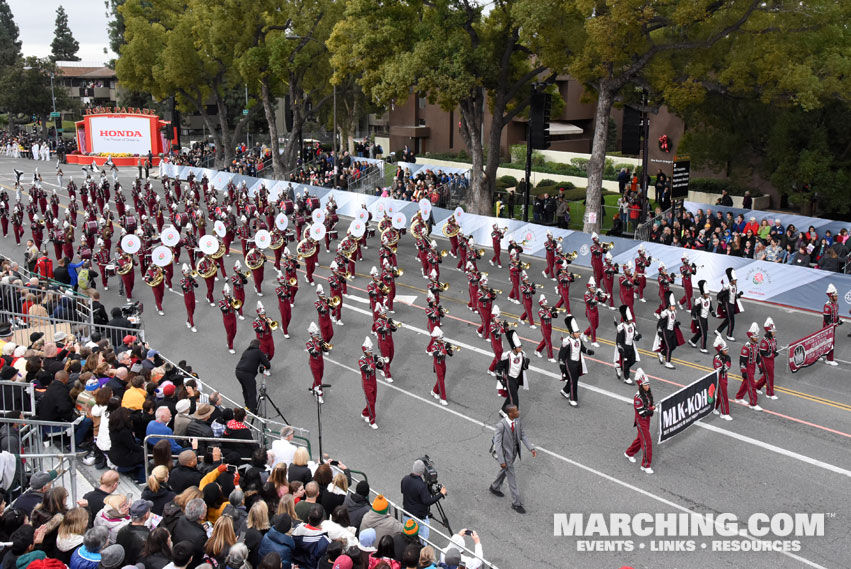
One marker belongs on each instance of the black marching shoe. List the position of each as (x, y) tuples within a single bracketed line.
[(518, 509)]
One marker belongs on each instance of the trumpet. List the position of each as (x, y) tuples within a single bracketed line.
[(236, 303), (384, 289), (480, 253), (273, 324), (335, 301), (444, 253), (453, 347), (193, 274), (524, 242), (445, 310), (525, 266), (444, 286), (327, 346), (496, 291), (609, 245), (293, 281), (571, 256), (246, 274), (398, 272), (560, 239)]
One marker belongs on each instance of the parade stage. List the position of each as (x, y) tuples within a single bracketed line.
[(120, 161), (129, 133)]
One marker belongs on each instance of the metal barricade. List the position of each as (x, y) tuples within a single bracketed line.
[(18, 395), (400, 514), (27, 444), (25, 324), (642, 232), (65, 303)]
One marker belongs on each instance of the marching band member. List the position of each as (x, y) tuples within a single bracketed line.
[(687, 270), (291, 266), (527, 291), (592, 297), (18, 222), (316, 349), (228, 316), (368, 364), (565, 277), (597, 252), (700, 317), (514, 269), (385, 253), (263, 330), (388, 279), (473, 279), (434, 312), (310, 260), (830, 314), (207, 269), (124, 264), (101, 258), (610, 269), (496, 238), (439, 351), (154, 279), (626, 286), (452, 229), (626, 352), (434, 260), (767, 353), (339, 287), (188, 285), (665, 281), (644, 407), (546, 314), (463, 251), (323, 309), (255, 259), (375, 289), (238, 280), (496, 329), (383, 327), (434, 285), (473, 254), (641, 263), (422, 246), (285, 295), (57, 236), (484, 302), (668, 334), (511, 372), (748, 362), (37, 230), (729, 305), (722, 362), (550, 245), (244, 234), (572, 361)]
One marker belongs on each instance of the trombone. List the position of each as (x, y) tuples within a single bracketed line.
[(397, 272), (326, 346), (444, 253), (444, 286), (525, 266), (273, 324)]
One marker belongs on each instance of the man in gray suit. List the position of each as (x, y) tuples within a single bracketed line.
[(506, 447)]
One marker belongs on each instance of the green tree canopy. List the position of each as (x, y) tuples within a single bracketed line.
[(25, 89), (10, 45), (63, 47)]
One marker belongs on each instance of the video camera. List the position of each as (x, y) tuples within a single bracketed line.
[(132, 309), (430, 475)]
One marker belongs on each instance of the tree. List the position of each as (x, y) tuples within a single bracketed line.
[(63, 47), (115, 25), (25, 90), (10, 45), (184, 48), (450, 51), (630, 43)]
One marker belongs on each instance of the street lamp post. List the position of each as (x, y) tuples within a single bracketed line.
[(55, 130)]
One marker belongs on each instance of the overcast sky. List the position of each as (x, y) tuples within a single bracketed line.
[(87, 19)]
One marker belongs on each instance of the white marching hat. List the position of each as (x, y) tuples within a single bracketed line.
[(373, 271), (260, 309), (831, 289), (226, 290), (753, 330), (185, 268), (313, 329), (641, 377), (495, 311), (367, 344), (719, 343), (769, 324), (319, 290), (437, 333)]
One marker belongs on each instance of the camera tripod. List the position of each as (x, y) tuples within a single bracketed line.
[(263, 400), (441, 517)]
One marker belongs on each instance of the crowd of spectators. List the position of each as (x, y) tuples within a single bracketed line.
[(442, 189), (766, 239), (214, 497), (36, 145)]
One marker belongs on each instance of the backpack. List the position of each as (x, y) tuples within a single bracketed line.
[(83, 279)]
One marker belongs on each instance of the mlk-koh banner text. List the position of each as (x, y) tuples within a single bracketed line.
[(680, 410), (799, 287), (807, 351)]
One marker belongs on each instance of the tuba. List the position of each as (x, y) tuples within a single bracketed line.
[(306, 248), (220, 252), (258, 257), (349, 247), (390, 238), (277, 240), (448, 231), (125, 264), (156, 279), (419, 228), (211, 270)]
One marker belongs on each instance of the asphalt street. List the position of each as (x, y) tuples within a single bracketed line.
[(791, 457)]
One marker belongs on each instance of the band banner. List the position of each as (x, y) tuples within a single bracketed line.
[(807, 351), (692, 403)]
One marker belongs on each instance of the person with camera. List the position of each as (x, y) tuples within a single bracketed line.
[(417, 498)]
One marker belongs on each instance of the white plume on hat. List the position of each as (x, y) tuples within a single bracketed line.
[(319, 290), (684, 257), (237, 265), (226, 289), (367, 344), (430, 296), (542, 299), (333, 266), (433, 244), (608, 256), (433, 274), (260, 309), (470, 265), (753, 330), (495, 311), (671, 299), (437, 333), (627, 266), (661, 266), (641, 377), (524, 275), (719, 343), (185, 268), (373, 271), (594, 236), (831, 289), (769, 324), (592, 283), (313, 329), (287, 251)]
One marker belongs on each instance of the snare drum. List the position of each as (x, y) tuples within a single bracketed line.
[(289, 207), (370, 233), (332, 235), (91, 227), (312, 204), (110, 270)]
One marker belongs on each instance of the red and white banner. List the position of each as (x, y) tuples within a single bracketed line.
[(806, 351)]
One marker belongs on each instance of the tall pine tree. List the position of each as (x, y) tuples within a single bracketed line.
[(64, 47), (10, 45)]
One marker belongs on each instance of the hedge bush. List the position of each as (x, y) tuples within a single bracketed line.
[(715, 186)]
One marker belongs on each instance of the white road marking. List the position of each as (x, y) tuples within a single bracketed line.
[(405, 299)]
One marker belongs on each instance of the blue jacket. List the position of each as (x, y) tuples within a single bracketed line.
[(83, 559), (280, 543), (72, 271), (157, 428)]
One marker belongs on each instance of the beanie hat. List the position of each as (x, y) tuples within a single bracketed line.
[(419, 467), (182, 553), (452, 557), (112, 557), (343, 562), (46, 564), (380, 505), (411, 527), (366, 540), (284, 523), (362, 488)]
